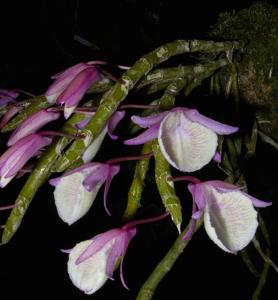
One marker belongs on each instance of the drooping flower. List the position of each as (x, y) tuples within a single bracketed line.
[(229, 216), (77, 189), (187, 139), (92, 262), (33, 123), (70, 85), (16, 156)]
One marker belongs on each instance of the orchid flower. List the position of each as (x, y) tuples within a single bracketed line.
[(31, 124), (92, 262), (16, 156), (77, 189), (229, 216), (71, 84), (7, 96), (187, 139)]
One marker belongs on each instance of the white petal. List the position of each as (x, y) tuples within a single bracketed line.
[(68, 111), (93, 148), (230, 219), (72, 200), (90, 275), (187, 146), (4, 181)]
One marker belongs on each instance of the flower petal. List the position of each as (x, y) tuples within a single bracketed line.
[(71, 71), (93, 148), (144, 137), (9, 93), (115, 253), (96, 177), (128, 237), (257, 202), (215, 126), (97, 243), (10, 114), (186, 145), (16, 156), (32, 124), (113, 122), (72, 199), (230, 219), (78, 87), (63, 79), (113, 170), (90, 275), (146, 122)]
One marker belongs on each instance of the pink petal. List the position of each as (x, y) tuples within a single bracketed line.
[(32, 124), (113, 170), (149, 121), (215, 126), (197, 195), (113, 122), (83, 123), (10, 114), (193, 222), (148, 135), (217, 157), (257, 202), (9, 93), (99, 175), (78, 87), (128, 237), (116, 251), (26, 152), (55, 181), (70, 72), (98, 242), (63, 79), (6, 100)]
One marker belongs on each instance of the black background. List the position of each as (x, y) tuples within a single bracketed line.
[(37, 40)]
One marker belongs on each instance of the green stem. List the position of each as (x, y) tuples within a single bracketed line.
[(202, 72), (148, 289), (169, 74), (246, 259), (137, 185), (166, 188), (112, 99), (262, 281)]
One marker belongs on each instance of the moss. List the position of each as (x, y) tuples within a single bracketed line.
[(258, 69)]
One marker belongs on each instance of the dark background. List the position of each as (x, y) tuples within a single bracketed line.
[(37, 40)]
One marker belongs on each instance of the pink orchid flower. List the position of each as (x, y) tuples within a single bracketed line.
[(187, 139), (16, 156), (229, 216), (92, 262), (70, 85), (77, 189)]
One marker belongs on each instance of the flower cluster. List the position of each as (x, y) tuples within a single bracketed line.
[(188, 141)]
